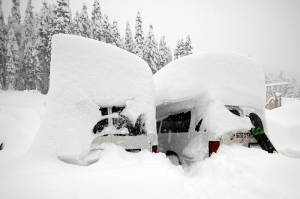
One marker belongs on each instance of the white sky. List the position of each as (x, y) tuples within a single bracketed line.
[(266, 30)]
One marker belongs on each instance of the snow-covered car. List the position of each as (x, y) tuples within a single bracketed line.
[(98, 93), (206, 99)]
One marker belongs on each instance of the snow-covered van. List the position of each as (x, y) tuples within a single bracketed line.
[(98, 93), (204, 100)]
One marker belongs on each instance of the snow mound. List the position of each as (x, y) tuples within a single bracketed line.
[(231, 78), (20, 119), (227, 122), (240, 172), (284, 127), (86, 74)]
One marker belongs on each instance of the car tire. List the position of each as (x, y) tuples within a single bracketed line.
[(174, 159)]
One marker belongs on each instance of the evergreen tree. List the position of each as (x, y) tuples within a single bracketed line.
[(139, 35), (2, 48), (15, 20), (62, 17), (43, 47), (188, 45), (96, 24), (116, 37), (75, 29), (28, 63), (150, 52), (180, 49), (12, 59), (129, 43), (84, 23), (107, 32), (183, 48), (165, 54), (15, 12), (29, 22)]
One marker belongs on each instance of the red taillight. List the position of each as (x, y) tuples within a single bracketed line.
[(213, 146), (154, 149)]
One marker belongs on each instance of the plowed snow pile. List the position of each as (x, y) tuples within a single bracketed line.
[(86, 74)]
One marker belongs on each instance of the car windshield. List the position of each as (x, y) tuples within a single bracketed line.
[(113, 122)]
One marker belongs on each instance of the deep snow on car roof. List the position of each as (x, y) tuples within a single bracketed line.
[(231, 78), (107, 74)]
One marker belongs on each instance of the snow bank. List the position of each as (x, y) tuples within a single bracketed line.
[(231, 78), (86, 74), (20, 118), (284, 127)]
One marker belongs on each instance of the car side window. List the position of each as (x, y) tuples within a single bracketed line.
[(176, 123), (100, 125), (235, 112), (197, 128)]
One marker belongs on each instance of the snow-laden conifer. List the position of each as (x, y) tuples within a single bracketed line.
[(76, 24), (2, 48), (12, 59), (180, 49), (84, 22), (28, 60), (139, 35), (150, 52), (96, 22), (129, 42), (165, 54), (115, 33), (62, 17), (107, 32), (43, 47)]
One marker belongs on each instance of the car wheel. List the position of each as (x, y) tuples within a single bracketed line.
[(174, 159)]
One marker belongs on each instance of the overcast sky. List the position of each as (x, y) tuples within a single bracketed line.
[(266, 30)]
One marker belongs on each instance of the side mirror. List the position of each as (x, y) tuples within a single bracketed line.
[(197, 128)]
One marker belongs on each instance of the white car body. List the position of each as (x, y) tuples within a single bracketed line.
[(183, 83)]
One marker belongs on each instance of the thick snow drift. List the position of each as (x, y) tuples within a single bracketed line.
[(284, 127), (20, 119), (86, 74), (231, 78)]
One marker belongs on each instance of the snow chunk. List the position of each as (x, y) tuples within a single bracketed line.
[(86, 74), (231, 78), (218, 120)]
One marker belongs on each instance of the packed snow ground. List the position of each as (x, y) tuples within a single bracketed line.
[(234, 172), (20, 119)]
